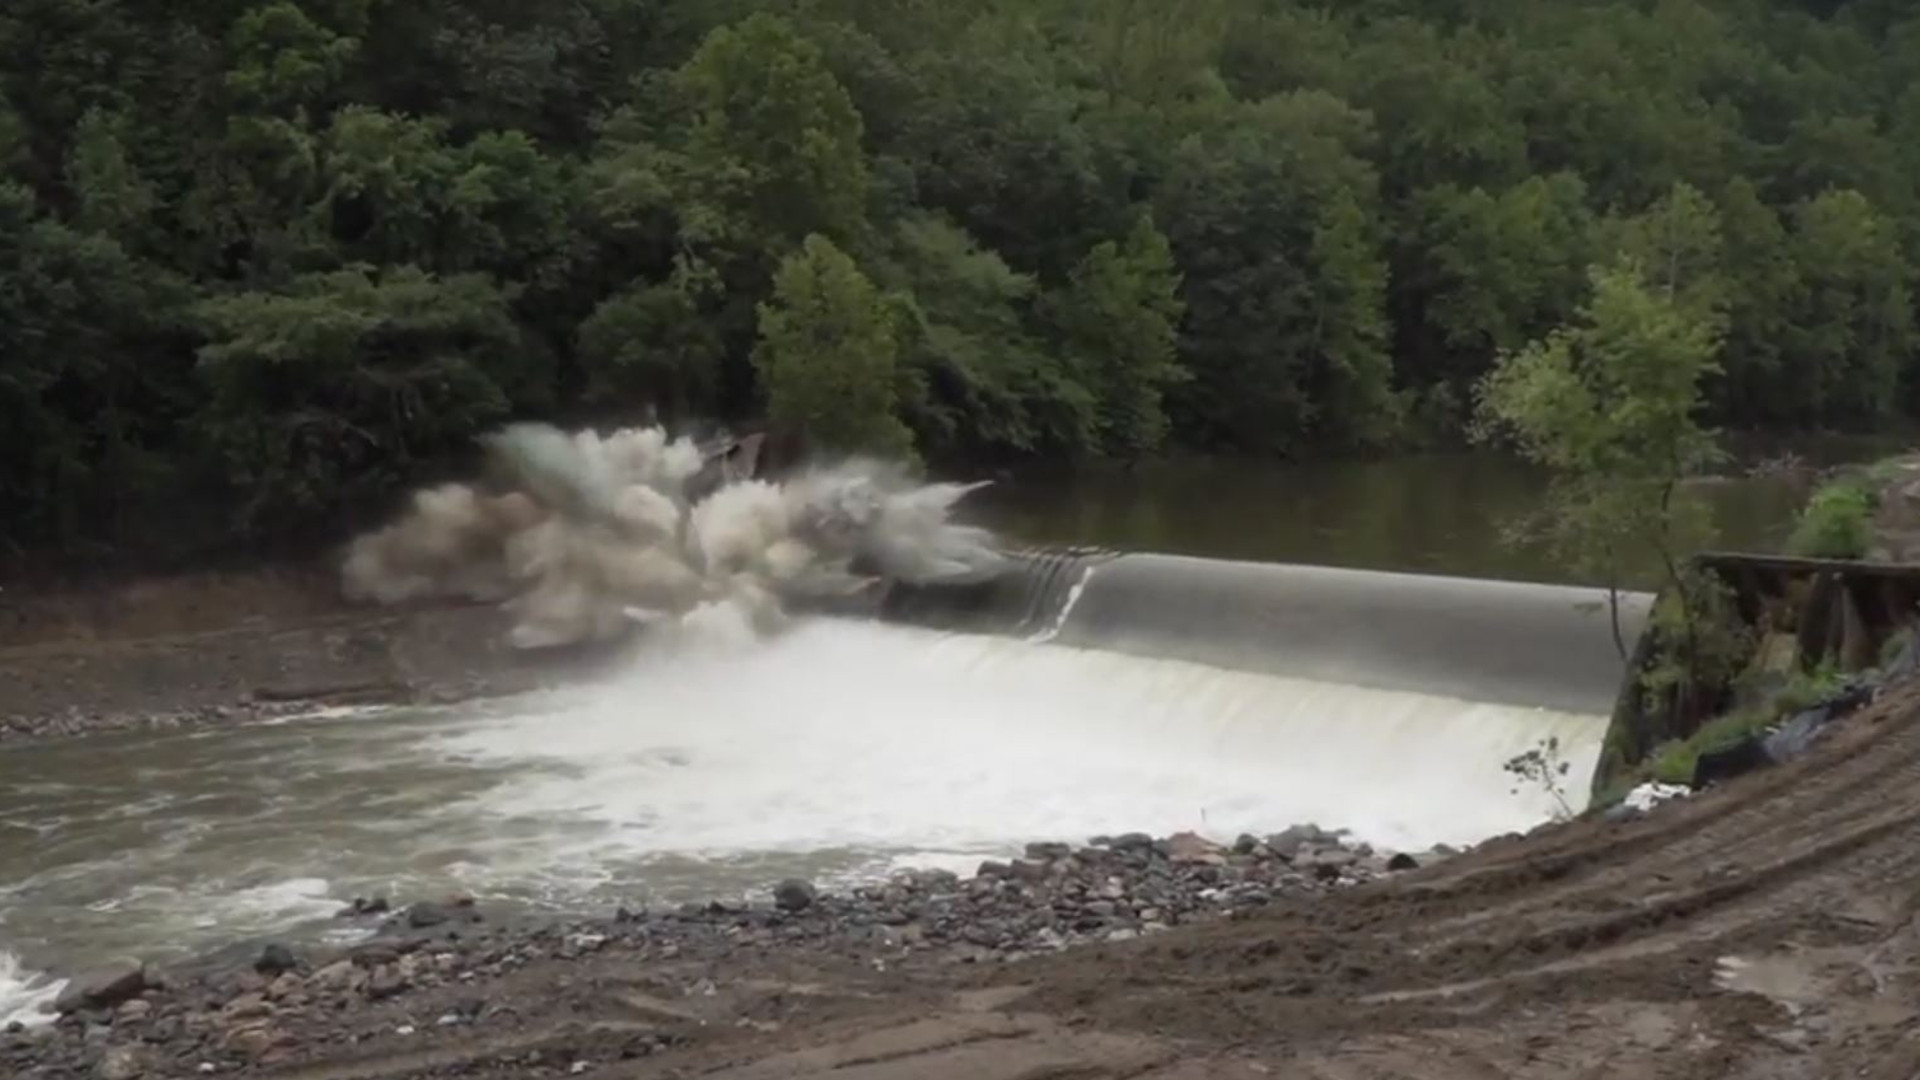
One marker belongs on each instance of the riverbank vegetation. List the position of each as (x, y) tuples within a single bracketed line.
[(265, 262), (1837, 522)]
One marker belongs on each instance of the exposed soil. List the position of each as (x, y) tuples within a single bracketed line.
[(1769, 928)]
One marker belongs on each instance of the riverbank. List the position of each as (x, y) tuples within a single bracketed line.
[(437, 974), (205, 650)]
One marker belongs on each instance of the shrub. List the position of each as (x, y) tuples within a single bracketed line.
[(1837, 523)]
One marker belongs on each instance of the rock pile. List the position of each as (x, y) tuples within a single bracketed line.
[(1113, 889), (430, 965)]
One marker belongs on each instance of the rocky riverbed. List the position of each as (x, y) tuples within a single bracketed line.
[(642, 982)]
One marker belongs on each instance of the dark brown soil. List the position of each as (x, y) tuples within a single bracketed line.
[(1593, 949)]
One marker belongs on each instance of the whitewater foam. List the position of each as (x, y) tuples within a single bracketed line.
[(26, 997), (1074, 593), (843, 735)]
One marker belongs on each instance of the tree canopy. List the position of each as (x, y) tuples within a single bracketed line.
[(275, 259)]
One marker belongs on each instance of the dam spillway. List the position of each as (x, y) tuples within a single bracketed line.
[(1519, 644)]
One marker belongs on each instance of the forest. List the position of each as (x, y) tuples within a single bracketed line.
[(264, 263)]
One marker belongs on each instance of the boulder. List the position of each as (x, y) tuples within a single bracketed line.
[(1288, 843), (1194, 849), (1403, 861), (426, 914), (102, 988), (794, 895), (1026, 870), (275, 959), (1336, 857), (385, 982), (253, 1041), (339, 975), (122, 1063), (363, 906)]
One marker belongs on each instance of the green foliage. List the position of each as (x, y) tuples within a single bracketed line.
[(649, 343), (1852, 331), (329, 394), (761, 99), (1089, 228), (828, 355), (1676, 246), (1698, 640), (1257, 215), (1837, 522), (114, 199), (988, 385), (1609, 405), (88, 421), (1673, 761), (283, 58), (1117, 318), (1498, 270)]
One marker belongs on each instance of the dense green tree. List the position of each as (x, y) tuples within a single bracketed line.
[(828, 355), (89, 426), (1852, 333), (649, 343), (1117, 319), (1609, 405), (1354, 368), (762, 101), (1441, 119), (1485, 272), (1676, 247), (984, 382), (1762, 284), (328, 395), (110, 195), (1241, 207), (394, 221)]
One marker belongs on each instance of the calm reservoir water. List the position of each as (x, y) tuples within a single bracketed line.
[(1441, 513)]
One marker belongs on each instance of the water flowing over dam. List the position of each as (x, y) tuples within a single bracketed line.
[(1525, 645), (1071, 694)]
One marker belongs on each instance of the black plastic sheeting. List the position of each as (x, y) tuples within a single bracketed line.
[(1794, 736)]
